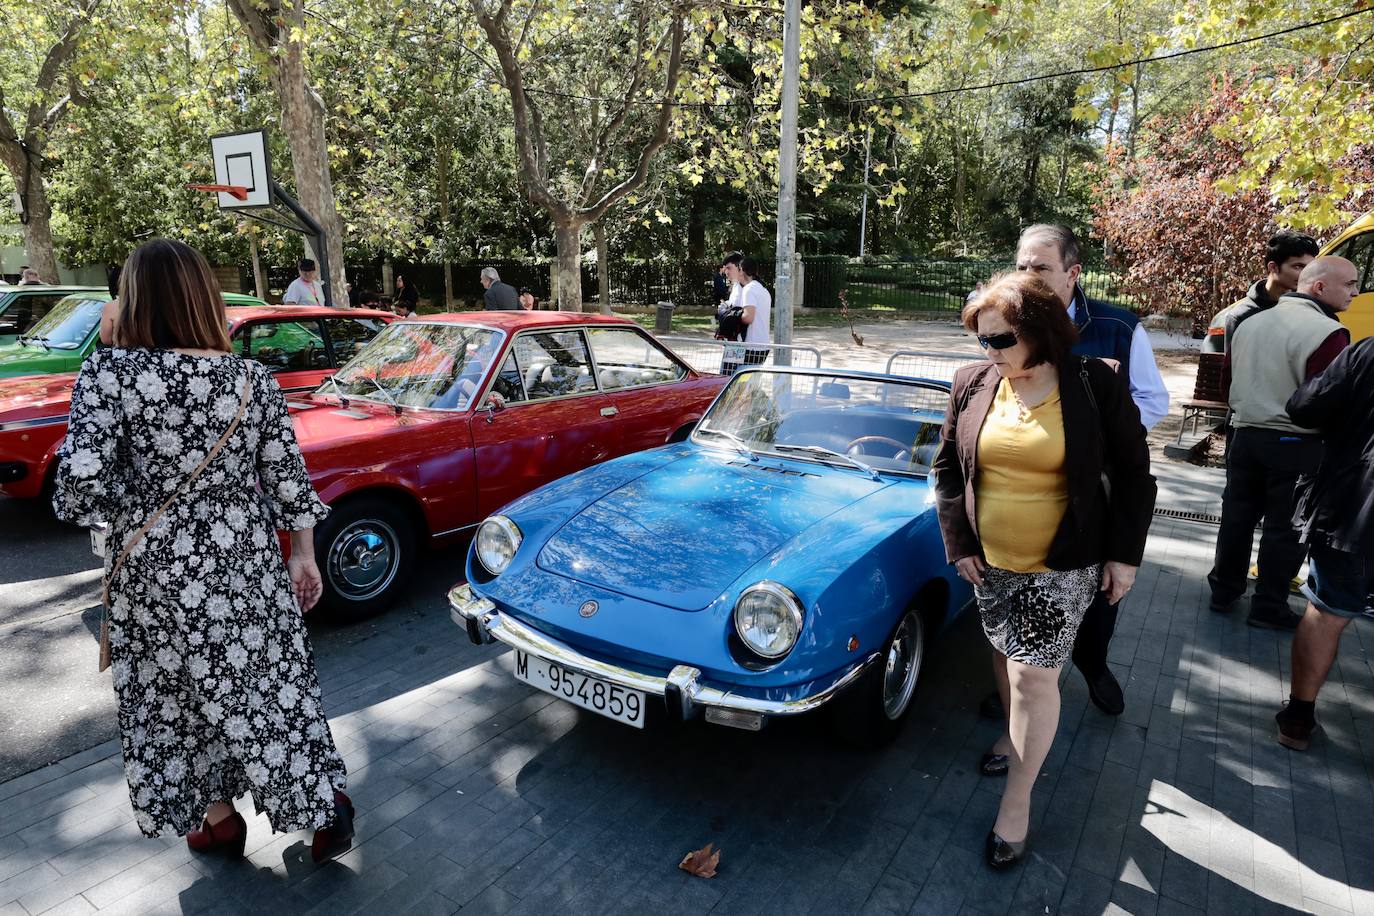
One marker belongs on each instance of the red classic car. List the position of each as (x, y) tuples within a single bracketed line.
[(440, 421), (301, 344)]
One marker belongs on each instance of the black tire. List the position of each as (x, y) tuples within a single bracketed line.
[(366, 554), (871, 712)]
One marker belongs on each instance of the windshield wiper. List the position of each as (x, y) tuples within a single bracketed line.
[(343, 399), (740, 445), (386, 394), (831, 453)]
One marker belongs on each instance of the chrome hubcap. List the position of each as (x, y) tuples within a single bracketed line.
[(903, 666), (363, 559)]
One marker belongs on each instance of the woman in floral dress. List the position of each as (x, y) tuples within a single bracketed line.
[(212, 666)]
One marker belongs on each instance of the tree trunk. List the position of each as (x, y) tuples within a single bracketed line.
[(696, 226), (38, 230), (603, 269), (568, 295), (441, 156), (259, 275), (1135, 113), (960, 178)]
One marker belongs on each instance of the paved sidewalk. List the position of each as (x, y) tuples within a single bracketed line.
[(476, 793)]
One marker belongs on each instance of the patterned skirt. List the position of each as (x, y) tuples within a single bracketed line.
[(1032, 618)]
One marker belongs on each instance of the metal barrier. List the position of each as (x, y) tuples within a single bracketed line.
[(939, 365), (723, 357)]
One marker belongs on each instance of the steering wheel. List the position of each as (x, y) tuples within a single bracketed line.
[(856, 448)]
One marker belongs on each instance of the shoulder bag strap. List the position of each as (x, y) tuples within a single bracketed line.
[(209, 457)]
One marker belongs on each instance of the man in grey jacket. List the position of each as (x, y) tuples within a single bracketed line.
[(1272, 353), (498, 296), (1285, 256)]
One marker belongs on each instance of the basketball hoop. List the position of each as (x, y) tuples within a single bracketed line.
[(237, 190)]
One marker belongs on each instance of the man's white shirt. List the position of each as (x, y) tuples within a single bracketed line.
[(1147, 385), (302, 293), (760, 329)]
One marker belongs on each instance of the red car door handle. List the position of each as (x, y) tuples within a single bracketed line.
[(609, 411)]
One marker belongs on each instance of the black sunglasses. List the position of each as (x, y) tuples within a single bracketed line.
[(998, 341)]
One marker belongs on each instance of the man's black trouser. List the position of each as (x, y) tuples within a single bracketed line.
[(1262, 470), (1094, 636)]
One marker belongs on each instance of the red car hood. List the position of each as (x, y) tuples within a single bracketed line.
[(35, 397), (321, 422)]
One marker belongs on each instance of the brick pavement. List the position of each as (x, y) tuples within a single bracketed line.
[(475, 793)]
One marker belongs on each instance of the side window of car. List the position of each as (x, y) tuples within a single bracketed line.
[(627, 358), (284, 346), (349, 334), (510, 383), (1358, 250), (554, 364)]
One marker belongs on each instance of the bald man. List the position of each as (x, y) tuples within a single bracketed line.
[(1272, 353)]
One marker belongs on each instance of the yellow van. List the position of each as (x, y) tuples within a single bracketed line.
[(1357, 244)]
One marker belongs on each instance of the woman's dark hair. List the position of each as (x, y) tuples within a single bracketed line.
[(169, 297), (1033, 310), (749, 266)]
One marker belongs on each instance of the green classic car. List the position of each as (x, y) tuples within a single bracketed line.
[(23, 306), (67, 334)]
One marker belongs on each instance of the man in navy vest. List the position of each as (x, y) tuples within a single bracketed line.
[(1111, 333)]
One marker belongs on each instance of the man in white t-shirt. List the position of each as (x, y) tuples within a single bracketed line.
[(305, 289)]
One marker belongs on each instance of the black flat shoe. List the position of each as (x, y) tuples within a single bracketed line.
[(1285, 622), (1105, 692), (994, 765), (1001, 854)]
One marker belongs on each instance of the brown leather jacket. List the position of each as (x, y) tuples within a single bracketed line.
[(1108, 437)]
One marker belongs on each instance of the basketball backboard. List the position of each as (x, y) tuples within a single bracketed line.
[(241, 159)]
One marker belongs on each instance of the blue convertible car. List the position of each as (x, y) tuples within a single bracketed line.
[(785, 558)]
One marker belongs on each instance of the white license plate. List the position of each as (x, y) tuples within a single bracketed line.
[(610, 700)]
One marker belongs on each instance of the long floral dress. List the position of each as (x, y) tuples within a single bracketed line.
[(212, 667)]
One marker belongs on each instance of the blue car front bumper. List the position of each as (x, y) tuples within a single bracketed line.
[(684, 693)]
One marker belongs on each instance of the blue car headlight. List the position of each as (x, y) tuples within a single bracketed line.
[(497, 541), (768, 619)]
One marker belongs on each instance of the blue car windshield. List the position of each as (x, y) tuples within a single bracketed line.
[(893, 426)]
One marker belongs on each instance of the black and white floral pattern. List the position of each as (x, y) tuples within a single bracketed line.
[(212, 667)]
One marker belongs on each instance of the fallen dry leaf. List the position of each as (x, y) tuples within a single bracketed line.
[(701, 862)]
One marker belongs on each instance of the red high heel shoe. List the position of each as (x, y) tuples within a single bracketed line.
[(336, 838), (227, 837)]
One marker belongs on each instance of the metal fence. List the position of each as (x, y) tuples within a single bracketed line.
[(925, 285), (724, 357), (939, 365)]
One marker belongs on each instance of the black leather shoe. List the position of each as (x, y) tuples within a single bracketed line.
[(1001, 854), (991, 707), (994, 765), (1284, 621), (1105, 692)]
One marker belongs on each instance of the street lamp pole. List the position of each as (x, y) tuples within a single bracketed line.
[(787, 181)]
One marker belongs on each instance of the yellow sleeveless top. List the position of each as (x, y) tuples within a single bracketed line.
[(1021, 491)]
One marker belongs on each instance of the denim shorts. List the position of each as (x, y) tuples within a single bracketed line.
[(1339, 582)]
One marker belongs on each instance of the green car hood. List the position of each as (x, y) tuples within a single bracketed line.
[(34, 359)]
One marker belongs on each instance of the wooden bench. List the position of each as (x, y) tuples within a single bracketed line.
[(1209, 394)]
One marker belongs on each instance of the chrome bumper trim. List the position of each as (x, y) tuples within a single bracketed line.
[(486, 624)]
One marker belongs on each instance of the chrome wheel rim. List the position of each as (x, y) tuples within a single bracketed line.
[(363, 559), (903, 666)]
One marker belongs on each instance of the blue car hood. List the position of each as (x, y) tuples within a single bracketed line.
[(681, 534)]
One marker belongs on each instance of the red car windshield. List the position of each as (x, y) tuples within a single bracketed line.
[(437, 366)]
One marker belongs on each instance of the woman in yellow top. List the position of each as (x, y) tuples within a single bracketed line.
[(1025, 515)]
